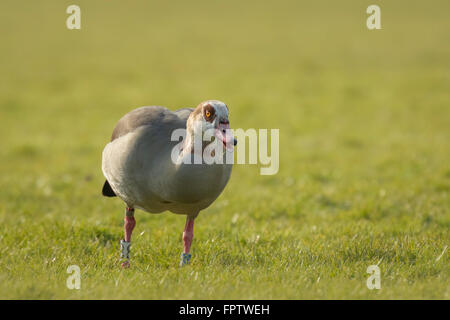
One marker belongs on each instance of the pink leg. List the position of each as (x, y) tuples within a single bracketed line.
[(129, 224), (188, 234)]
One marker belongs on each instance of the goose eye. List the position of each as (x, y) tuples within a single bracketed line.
[(208, 114)]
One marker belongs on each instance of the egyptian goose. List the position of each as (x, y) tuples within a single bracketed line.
[(149, 171)]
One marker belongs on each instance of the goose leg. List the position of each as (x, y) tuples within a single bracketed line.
[(188, 236), (129, 224)]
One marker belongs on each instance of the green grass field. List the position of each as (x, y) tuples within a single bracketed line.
[(364, 119)]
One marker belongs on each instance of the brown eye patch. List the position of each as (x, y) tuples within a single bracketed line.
[(209, 113)]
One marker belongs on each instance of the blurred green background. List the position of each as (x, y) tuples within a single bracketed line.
[(364, 119)]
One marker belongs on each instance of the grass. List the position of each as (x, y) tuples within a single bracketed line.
[(364, 119)]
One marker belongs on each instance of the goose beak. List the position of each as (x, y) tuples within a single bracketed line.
[(223, 133)]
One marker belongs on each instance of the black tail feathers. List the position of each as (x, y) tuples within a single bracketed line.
[(107, 191)]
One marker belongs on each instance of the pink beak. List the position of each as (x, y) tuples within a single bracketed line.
[(223, 133)]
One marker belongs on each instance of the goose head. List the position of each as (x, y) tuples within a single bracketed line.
[(211, 116)]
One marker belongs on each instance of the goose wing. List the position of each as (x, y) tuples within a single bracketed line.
[(156, 116)]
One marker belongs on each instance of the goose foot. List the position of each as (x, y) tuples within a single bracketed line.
[(125, 253), (125, 249), (185, 259)]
